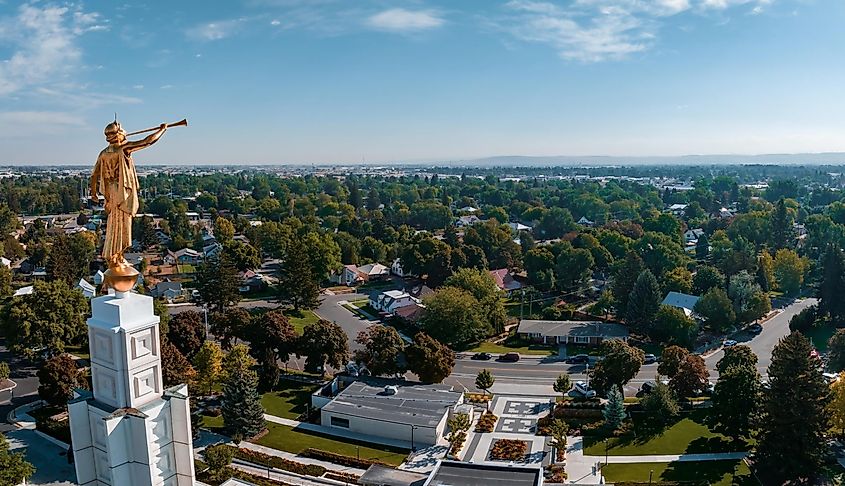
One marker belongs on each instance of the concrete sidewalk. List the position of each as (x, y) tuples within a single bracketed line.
[(721, 456)]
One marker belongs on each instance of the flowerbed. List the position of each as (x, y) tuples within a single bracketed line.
[(486, 423), (458, 443), (347, 478), (340, 459), (256, 457), (556, 474), (476, 397), (509, 450)]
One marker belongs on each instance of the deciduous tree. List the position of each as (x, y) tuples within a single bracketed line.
[(672, 325), (175, 368), (208, 363), (14, 468), (671, 359), (836, 407), (187, 332), (660, 404), (218, 283), (57, 378), (736, 399), (836, 351), (706, 278), (621, 363), (716, 309), (229, 325), (382, 349), (789, 271), (323, 343), (453, 317), (691, 377), (563, 384), (430, 360), (484, 381)]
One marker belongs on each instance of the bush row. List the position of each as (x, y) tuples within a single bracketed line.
[(347, 478), (458, 443), (278, 462), (340, 458), (486, 423)]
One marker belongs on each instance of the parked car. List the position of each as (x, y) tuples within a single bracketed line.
[(584, 389), (729, 343), (650, 358), (649, 386), (755, 328), (578, 359), (510, 357), (482, 356)]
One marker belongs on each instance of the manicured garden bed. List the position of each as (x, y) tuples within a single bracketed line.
[(486, 423), (509, 450)]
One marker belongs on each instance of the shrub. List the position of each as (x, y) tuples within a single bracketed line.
[(556, 474), (347, 478), (486, 423), (476, 398), (218, 458), (256, 457), (458, 443), (340, 458), (509, 450), (4, 371)]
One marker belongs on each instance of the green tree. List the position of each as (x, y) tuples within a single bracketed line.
[(766, 271), (679, 279), (430, 360), (382, 347), (621, 363), (52, 316), (563, 384), (836, 351), (175, 367), (237, 361), (832, 286), (484, 381), (555, 223), (298, 285), (707, 278), (242, 255), (625, 275), (672, 325), (716, 309), (702, 248), (229, 325), (453, 317), (57, 378), (644, 302), (218, 457), (749, 301), (836, 406), (614, 409), (789, 271), (781, 226), (671, 359), (737, 396), (218, 283), (791, 444), (4, 371), (145, 232), (70, 257), (558, 430), (14, 468), (481, 285), (224, 230), (243, 415), (209, 365), (323, 343), (5, 282), (660, 404), (272, 339)]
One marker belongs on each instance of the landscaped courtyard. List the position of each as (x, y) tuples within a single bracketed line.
[(289, 399), (718, 473), (689, 435)]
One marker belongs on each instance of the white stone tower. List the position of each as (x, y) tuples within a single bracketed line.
[(130, 431)]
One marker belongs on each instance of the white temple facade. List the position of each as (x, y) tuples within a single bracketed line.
[(129, 431)]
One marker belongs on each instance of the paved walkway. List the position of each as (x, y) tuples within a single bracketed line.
[(581, 469), (722, 456)]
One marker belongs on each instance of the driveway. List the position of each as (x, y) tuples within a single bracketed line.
[(331, 310)]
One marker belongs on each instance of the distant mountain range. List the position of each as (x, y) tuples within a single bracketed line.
[(832, 158)]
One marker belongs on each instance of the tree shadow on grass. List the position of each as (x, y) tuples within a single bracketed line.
[(707, 472), (704, 445)]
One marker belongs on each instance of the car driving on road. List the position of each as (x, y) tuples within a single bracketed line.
[(578, 359), (482, 356), (584, 389)]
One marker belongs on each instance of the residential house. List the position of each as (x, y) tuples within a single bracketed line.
[(212, 250), (585, 222), (23, 291), (678, 209), (468, 209), (410, 313), (517, 227), (391, 300), (133, 259), (185, 256), (374, 271), (571, 332), (682, 301), (166, 290), (252, 281), (396, 269), (465, 221), (692, 235), (348, 276), (504, 280), (88, 289), (5, 262)]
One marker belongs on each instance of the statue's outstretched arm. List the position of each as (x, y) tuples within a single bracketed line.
[(130, 147)]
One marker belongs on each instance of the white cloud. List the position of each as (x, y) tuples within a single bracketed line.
[(213, 31), (402, 20), (275, 22), (42, 41), (601, 30)]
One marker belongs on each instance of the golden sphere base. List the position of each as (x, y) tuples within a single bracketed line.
[(121, 277)]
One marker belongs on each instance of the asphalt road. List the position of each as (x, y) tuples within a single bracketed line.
[(23, 373), (536, 373)]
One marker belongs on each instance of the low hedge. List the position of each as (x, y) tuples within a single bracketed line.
[(458, 443), (256, 457), (486, 423), (231, 472), (347, 478), (340, 458)]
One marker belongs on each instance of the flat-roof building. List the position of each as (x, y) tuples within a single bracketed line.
[(454, 473)]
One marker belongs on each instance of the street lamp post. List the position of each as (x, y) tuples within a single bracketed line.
[(605, 452), (650, 473), (205, 314), (413, 448)]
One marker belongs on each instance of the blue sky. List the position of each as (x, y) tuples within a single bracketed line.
[(316, 81)]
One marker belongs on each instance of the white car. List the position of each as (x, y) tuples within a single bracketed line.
[(584, 389)]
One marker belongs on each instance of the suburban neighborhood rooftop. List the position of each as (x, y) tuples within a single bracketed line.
[(573, 328)]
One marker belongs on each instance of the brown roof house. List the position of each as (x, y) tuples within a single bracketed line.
[(571, 332)]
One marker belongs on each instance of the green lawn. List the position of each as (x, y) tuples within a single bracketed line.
[(287, 439), (289, 400), (360, 302), (299, 319), (514, 345), (686, 436), (79, 351), (719, 473)]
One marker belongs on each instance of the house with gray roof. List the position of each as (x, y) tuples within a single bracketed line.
[(571, 332), (682, 301)]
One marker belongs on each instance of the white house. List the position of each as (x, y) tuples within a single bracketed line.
[(692, 235), (585, 222), (88, 290), (99, 277), (374, 271), (465, 221), (183, 256), (396, 269), (682, 301), (391, 300), (517, 227), (678, 209)]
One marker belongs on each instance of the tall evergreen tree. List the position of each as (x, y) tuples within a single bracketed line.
[(298, 285), (625, 274), (781, 226), (614, 410), (832, 286), (643, 302), (736, 401), (702, 248), (243, 415), (218, 283), (792, 443)]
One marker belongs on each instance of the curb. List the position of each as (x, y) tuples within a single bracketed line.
[(14, 385)]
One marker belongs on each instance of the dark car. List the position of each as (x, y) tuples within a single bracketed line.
[(482, 356), (578, 359), (510, 357), (755, 328)]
